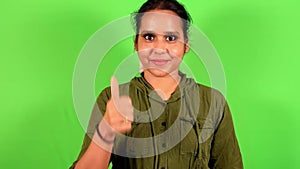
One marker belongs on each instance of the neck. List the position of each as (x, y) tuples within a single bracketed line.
[(163, 85)]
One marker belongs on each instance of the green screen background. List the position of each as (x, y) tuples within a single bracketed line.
[(257, 41)]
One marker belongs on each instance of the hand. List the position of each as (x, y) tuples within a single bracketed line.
[(119, 113)]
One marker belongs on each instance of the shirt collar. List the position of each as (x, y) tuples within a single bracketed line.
[(142, 85)]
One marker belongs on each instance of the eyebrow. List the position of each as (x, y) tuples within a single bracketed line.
[(167, 33), (172, 33)]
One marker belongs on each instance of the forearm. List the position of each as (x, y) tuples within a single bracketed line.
[(96, 156), (99, 151), (116, 120)]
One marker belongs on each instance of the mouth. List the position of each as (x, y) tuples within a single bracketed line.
[(159, 62)]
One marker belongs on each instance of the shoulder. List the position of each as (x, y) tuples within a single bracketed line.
[(206, 92)]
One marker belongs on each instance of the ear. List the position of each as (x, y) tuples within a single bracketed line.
[(135, 46), (135, 43), (186, 47)]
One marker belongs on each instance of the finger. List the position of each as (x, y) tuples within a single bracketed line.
[(126, 107), (114, 88)]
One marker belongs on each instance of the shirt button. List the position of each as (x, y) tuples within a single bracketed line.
[(164, 145), (164, 123)]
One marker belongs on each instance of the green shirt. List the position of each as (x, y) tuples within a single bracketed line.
[(191, 130)]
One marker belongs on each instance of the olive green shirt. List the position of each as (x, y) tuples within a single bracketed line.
[(193, 129)]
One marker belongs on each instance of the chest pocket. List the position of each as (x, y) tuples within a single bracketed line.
[(188, 133), (140, 144), (196, 137)]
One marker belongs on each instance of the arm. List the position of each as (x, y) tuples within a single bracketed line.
[(93, 147), (225, 152), (96, 152)]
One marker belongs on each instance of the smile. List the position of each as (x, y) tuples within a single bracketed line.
[(159, 62)]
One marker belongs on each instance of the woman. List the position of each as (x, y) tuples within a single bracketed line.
[(167, 120)]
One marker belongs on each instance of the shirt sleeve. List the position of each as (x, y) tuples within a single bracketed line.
[(225, 152), (99, 108), (86, 142)]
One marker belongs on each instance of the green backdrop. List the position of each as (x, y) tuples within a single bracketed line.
[(257, 41)]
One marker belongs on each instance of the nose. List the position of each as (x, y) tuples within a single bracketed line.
[(160, 46)]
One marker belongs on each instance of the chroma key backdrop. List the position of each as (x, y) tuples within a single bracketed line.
[(257, 43)]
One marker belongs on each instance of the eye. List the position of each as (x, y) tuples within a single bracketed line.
[(171, 38), (149, 36)]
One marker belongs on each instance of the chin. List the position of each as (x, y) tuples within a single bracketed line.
[(158, 73)]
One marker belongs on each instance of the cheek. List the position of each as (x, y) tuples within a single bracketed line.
[(177, 51), (144, 53), (144, 49), (143, 45)]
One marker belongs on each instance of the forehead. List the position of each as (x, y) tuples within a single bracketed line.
[(160, 21)]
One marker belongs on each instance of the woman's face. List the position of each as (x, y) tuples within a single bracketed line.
[(160, 42)]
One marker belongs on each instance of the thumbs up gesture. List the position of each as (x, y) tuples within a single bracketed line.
[(119, 113)]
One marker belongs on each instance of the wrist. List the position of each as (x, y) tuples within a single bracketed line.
[(105, 132)]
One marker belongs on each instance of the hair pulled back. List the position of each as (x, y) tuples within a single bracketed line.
[(171, 5)]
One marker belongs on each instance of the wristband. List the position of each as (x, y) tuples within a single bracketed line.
[(101, 137)]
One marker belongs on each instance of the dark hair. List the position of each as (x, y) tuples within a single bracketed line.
[(171, 5)]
